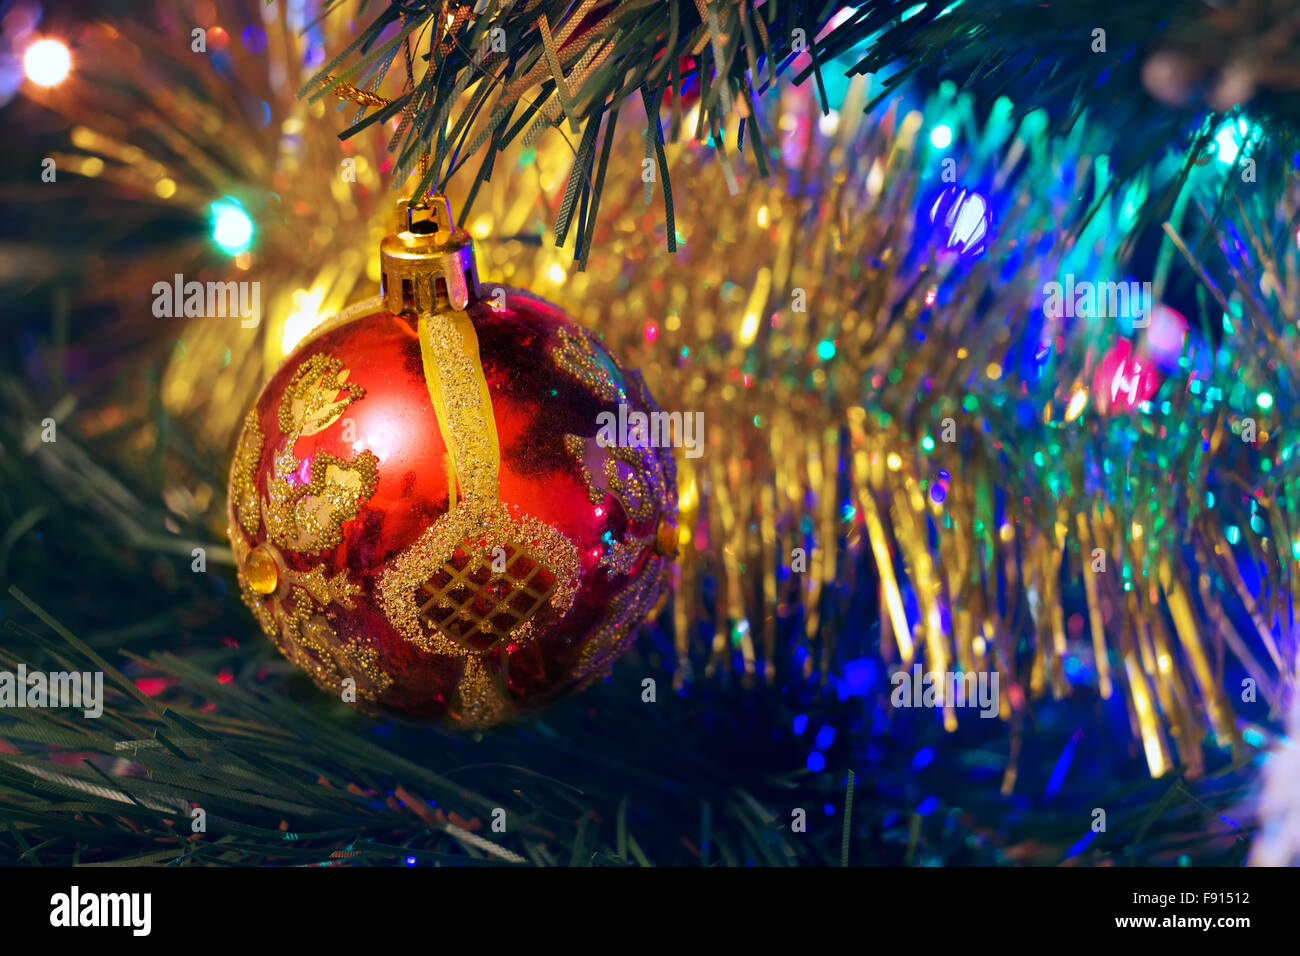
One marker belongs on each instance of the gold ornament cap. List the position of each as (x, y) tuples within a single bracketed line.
[(428, 266)]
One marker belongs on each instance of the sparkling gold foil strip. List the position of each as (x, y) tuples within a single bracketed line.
[(1096, 621), (458, 390)]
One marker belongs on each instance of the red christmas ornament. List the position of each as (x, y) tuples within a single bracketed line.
[(422, 514)]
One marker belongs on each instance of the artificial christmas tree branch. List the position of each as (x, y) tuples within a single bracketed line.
[(1168, 73)]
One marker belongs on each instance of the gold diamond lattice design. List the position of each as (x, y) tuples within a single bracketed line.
[(477, 576), (470, 603)]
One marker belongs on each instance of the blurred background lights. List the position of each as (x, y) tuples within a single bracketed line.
[(232, 230), (941, 136), (47, 62), (1230, 138), (1077, 402), (964, 220), (1165, 336), (306, 315)]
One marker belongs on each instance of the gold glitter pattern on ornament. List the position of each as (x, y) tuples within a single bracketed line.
[(662, 467), (310, 402), (622, 556), (293, 618), (478, 608), (576, 446), (308, 517), (325, 590), (577, 355), (310, 643), (628, 608), (459, 393), (243, 474), (306, 512), (636, 481), (476, 578), (482, 698), (356, 659), (634, 474)]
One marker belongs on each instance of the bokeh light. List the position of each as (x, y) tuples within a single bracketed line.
[(232, 230), (47, 62)]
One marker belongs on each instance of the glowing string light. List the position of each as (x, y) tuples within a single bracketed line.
[(1077, 402), (232, 230), (47, 62)]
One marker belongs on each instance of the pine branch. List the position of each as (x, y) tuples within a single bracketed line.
[(1167, 72)]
